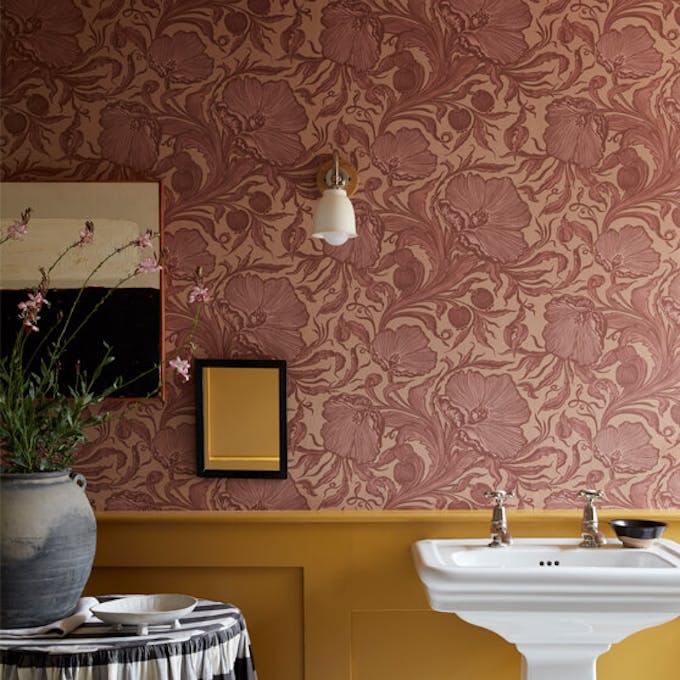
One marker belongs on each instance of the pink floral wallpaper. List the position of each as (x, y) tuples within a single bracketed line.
[(509, 315)]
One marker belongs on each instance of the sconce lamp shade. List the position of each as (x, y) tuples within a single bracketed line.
[(334, 220)]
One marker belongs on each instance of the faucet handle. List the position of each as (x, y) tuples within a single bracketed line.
[(499, 496), (590, 494)]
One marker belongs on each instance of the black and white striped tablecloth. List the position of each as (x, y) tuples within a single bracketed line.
[(212, 644)]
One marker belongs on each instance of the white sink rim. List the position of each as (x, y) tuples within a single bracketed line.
[(454, 588), (529, 553)]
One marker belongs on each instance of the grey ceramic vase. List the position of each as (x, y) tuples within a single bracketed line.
[(48, 537)]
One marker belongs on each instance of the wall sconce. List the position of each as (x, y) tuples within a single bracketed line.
[(334, 220)]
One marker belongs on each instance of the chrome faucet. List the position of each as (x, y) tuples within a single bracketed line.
[(500, 536), (592, 536)]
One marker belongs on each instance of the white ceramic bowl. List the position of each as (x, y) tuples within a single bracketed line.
[(145, 610)]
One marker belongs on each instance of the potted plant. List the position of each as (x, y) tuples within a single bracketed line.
[(48, 529)]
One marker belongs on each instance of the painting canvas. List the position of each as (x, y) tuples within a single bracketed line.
[(130, 318)]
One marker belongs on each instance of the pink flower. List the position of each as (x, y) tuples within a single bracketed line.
[(144, 241), (404, 351), (265, 118), (576, 132), (629, 52), (29, 310), (353, 428), (403, 155), (182, 367), (18, 230), (180, 58), (86, 234), (199, 294), (625, 448), (627, 252), (352, 34), (148, 265), (487, 411), (491, 28), (574, 330), (130, 135), (488, 215), (270, 313)]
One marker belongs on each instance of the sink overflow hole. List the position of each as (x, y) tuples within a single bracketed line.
[(549, 563)]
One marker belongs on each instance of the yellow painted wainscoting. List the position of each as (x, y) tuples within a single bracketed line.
[(335, 596)]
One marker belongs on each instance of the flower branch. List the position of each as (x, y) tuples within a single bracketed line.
[(43, 421)]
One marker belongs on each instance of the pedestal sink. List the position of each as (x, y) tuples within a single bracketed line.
[(560, 604)]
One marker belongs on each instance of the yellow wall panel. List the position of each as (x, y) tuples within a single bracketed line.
[(408, 645), (335, 595)]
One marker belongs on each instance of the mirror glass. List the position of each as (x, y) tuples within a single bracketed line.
[(241, 425)]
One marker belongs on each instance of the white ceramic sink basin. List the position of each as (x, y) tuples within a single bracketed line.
[(562, 605)]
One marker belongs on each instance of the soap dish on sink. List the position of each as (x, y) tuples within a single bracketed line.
[(637, 533)]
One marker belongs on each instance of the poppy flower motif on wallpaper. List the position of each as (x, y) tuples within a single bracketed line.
[(180, 58), (575, 330), (672, 496), (264, 494), (265, 118), (489, 28), (403, 352), (671, 303), (362, 253), (627, 252), (352, 34), (194, 254), (626, 448), (130, 135), (408, 467), (576, 132), (488, 411), (488, 216), (403, 155), (171, 447), (129, 499), (672, 104), (45, 31), (270, 314), (629, 53), (353, 428)]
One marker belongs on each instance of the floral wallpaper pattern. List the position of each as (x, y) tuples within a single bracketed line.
[(509, 315)]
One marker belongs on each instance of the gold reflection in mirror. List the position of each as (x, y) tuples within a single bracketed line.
[(241, 424)]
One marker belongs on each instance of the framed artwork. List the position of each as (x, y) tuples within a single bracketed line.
[(241, 420), (130, 319)]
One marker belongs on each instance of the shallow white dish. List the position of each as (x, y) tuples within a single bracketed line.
[(143, 611)]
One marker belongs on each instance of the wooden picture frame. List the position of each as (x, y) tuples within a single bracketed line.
[(241, 419), (131, 319)]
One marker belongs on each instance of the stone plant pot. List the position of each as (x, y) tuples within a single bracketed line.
[(48, 537)]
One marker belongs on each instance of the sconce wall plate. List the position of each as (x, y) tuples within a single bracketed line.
[(325, 176)]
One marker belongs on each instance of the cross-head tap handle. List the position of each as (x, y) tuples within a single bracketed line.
[(499, 496), (590, 494)]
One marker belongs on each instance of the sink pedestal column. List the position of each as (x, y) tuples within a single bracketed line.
[(555, 661)]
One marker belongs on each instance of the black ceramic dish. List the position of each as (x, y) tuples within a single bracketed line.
[(637, 533)]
